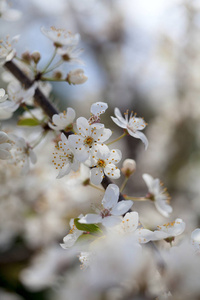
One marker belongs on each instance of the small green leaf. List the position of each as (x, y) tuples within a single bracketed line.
[(86, 227), (86, 238), (28, 122)]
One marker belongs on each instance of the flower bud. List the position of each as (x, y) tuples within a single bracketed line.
[(76, 76), (128, 167), (35, 56), (26, 56), (57, 75)]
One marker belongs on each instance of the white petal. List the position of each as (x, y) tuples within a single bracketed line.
[(96, 176), (119, 123), (139, 135), (122, 207), (4, 154), (3, 137), (111, 196), (98, 108), (83, 126), (111, 221), (91, 219)]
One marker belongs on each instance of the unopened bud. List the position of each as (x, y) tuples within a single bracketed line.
[(57, 75), (26, 57), (35, 56), (76, 76), (128, 167)]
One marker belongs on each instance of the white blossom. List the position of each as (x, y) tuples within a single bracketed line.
[(97, 109), (111, 210), (89, 140), (70, 54), (61, 37), (70, 239), (105, 166), (130, 226), (64, 157), (7, 13), (22, 153), (169, 230), (17, 95), (76, 76), (158, 194), (133, 125), (3, 95), (195, 240), (7, 52), (64, 120), (5, 146)]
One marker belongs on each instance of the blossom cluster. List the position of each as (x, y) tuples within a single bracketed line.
[(86, 142)]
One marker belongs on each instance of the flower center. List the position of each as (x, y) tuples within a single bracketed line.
[(101, 163), (88, 141), (105, 213)]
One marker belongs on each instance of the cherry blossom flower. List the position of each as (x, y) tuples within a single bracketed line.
[(61, 37), (22, 153), (97, 109), (17, 96), (70, 239), (158, 194), (130, 226), (133, 125), (7, 13), (5, 146), (85, 259), (64, 157), (111, 210), (89, 140), (106, 165), (7, 52), (70, 54), (169, 230), (76, 76), (195, 240), (64, 120)]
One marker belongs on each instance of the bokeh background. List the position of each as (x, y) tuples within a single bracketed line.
[(139, 55)]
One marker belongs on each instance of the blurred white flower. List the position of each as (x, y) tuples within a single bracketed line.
[(106, 166), (169, 230), (5, 146), (7, 13), (133, 125), (3, 95), (17, 95), (61, 37), (70, 239), (158, 195), (76, 76), (130, 226), (111, 211), (64, 157), (7, 52), (64, 120), (195, 240), (70, 54), (22, 153)]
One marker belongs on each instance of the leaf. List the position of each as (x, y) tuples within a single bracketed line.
[(28, 122), (85, 238), (87, 227)]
